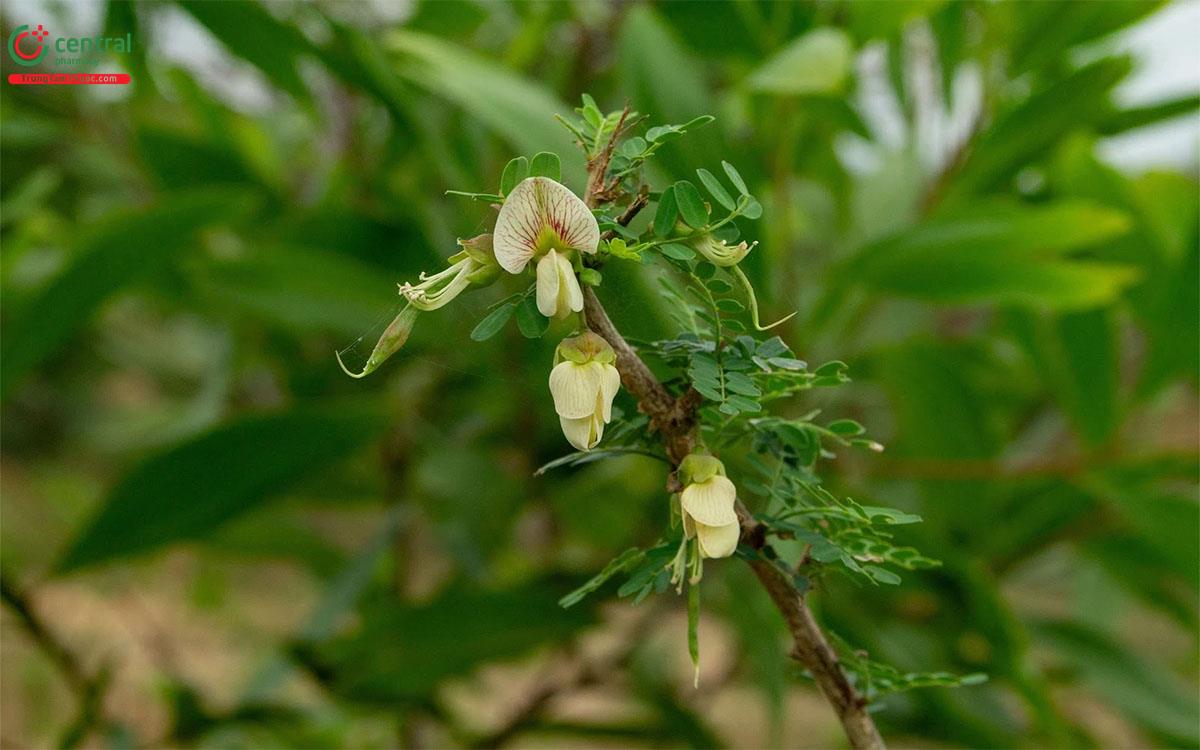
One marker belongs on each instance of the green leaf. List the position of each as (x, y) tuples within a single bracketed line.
[(1124, 120), (742, 403), (402, 652), (1001, 254), (515, 171), (248, 31), (1147, 693), (493, 322), (300, 289), (890, 515), (846, 427), (882, 575), (691, 205), (190, 490), (818, 62), (665, 213), (658, 72), (750, 207), (1078, 355), (716, 188), (114, 253), (519, 110), (1038, 123), (677, 251), (625, 561), (736, 178), (545, 164), (530, 321)]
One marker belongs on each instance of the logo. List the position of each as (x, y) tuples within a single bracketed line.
[(34, 48)]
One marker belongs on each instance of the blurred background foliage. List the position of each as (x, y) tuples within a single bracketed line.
[(226, 542)]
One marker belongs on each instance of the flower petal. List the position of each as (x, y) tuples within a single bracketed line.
[(610, 383), (583, 433), (570, 296), (537, 215), (710, 502), (548, 282), (718, 541), (574, 388)]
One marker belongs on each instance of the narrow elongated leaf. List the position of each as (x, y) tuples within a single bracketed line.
[(658, 73), (192, 489), (1037, 124), (1145, 692), (248, 31), (517, 109), (114, 254), (1001, 254)]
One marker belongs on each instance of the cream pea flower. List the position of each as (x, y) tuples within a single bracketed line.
[(542, 220), (706, 504), (473, 266), (583, 384)]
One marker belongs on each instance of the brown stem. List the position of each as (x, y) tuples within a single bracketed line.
[(676, 420)]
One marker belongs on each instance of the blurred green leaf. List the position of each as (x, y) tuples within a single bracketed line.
[(248, 31), (1150, 695), (1003, 255), (114, 253), (519, 110), (658, 73), (1078, 101), (818, 62), (401, 652), (190, 490), (1131, 118), (303, 289), (877, 19), (1077, 354), (1044, 33), (179, 162)]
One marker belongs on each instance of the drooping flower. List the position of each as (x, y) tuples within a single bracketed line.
[(707, 505), (473, 266), (542, 220), (719, 252), (583, 384)]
